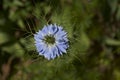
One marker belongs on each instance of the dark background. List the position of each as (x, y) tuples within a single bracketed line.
[(93, 28)]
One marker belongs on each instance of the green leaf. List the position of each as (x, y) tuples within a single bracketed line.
[(18, 3), (118, 13), (15, 50), (84, 41), (3, 37), (112, 42), (113, 4), (21, 24), (117, 74)]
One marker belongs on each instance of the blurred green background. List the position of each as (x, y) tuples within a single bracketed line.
[(93, 28)]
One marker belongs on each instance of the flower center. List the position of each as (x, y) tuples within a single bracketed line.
[(49, 39)]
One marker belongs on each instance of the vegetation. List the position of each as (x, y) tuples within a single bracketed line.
[(93, 28)]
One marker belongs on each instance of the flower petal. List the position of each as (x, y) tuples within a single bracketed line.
[(50, 51), (61, 48)]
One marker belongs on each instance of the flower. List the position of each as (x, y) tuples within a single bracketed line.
[(51, 41)]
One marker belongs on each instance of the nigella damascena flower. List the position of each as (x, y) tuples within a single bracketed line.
[(51, 41)]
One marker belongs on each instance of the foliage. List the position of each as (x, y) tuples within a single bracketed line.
[(93, 28)]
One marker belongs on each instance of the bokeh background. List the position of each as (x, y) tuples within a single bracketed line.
[(93, 28)]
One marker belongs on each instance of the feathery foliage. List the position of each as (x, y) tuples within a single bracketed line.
[(93, 28)]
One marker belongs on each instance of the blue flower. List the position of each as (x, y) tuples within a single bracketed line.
[(51, 41)]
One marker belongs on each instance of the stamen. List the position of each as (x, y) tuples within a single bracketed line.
[(49, 39)]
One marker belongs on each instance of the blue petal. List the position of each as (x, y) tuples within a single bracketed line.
[(65, 46), (59, 51), (40, 48), (51, 51), (60, 35), (60, 28), (50, 31), (43, 50), (61, 48), (61, 41), (55, 29), (45, 30), (47, 55), (40, 35), (56, 51)]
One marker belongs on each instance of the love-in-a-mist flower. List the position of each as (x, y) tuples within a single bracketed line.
[(51, 41)]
